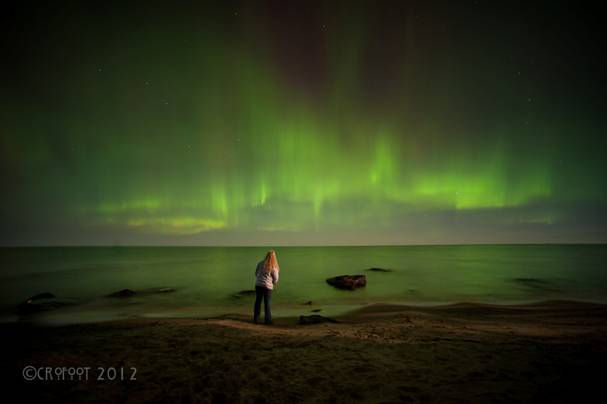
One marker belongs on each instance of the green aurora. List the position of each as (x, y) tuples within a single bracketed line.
[(308, 123)]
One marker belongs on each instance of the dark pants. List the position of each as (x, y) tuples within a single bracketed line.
[(264, 294)]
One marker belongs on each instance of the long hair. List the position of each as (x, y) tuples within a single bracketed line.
[(270, 262)]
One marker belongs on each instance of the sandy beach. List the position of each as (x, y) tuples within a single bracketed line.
[(543, 352)]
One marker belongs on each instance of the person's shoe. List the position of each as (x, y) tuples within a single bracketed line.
[(268, 323)]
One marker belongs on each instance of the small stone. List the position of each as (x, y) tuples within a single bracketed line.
[(379, 270), (123, 293)]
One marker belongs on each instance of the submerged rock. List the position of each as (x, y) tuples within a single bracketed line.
[(379, 270), (42, 302), (244, 293), (536, 283), (315, 319), (145, 292), (349, 282), (123, 293), (43, 295)]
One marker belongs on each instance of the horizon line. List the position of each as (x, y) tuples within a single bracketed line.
[(294, 245)]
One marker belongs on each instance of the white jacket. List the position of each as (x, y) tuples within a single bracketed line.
[(265, 279)]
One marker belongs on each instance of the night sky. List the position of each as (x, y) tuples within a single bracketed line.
[(302, 123)]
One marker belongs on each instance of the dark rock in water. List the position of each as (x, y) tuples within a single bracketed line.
[(349, 282), (247, 292), (316, 310), (42, 302), (531, 280), (143, 292), (44, 295), (536, 283), (379, 270), (315, 319), (123, 293), (244, 293)]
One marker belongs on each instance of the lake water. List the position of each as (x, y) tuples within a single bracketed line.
[(206, 278)]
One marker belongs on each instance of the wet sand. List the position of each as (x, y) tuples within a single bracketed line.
[(545, 352)]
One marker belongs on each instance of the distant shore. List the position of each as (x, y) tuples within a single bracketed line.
[(550, 351)]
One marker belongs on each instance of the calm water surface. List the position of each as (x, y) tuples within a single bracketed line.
[(206, 278)]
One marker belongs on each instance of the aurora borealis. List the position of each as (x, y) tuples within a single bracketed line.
[(247, 123)]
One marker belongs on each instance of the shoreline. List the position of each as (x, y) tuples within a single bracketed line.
[(547, 351), (349, 311)]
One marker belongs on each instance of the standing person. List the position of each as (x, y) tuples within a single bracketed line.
[(266, 276)]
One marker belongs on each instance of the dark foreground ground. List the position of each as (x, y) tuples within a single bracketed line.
[(549, 352)]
